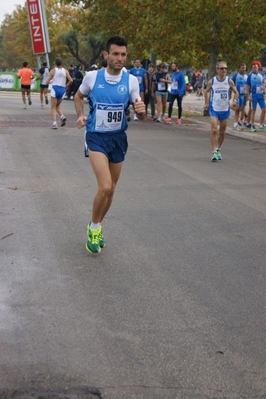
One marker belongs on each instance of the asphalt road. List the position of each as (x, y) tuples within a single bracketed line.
[(174, 306)]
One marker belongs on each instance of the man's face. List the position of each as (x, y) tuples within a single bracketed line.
[(137, 63), (222, 69), (174, 67), (242, 69), (116, 57), (255, 69)]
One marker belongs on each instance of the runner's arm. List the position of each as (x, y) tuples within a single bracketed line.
[(79, 106), (207, 94), (50, 76)]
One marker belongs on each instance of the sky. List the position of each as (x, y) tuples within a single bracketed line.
[(8, 6)]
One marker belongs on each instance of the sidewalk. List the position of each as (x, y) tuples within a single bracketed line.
[(193, 108), (192, 111)]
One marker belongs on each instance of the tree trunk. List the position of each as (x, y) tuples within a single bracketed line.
[(213, 60)]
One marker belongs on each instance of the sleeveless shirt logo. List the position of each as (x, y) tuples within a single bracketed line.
[(122, 89)]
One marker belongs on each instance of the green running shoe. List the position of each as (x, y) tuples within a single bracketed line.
[(253, 129), (92, 244), (101, 239), (214, 156), (29, 101), (219, 154)]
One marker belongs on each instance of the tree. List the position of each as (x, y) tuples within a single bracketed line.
[(16, 40), (86, 49), (194, 32)]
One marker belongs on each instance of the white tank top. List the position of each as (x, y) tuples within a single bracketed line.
[(59, 78), (220, 94), (45, 75)]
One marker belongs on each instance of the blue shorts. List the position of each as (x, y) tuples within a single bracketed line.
[(113, 145), (258, 100), (220, 115), (242, 100), (58, 92)]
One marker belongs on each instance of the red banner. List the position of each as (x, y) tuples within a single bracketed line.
[(36, 27)]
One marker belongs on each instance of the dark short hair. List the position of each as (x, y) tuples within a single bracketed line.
[(58, 61), (25, 64), (162, 65), (104, 63), (44, 63), (117, 40), (151, 65)]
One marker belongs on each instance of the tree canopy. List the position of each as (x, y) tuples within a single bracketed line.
[(197, 33), (194, 33)]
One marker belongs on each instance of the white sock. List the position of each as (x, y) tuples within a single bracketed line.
[(235, 124), (94, 226)]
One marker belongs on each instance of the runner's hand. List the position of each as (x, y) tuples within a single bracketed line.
[(81, 122)]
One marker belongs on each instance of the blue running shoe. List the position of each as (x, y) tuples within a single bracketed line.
[(219, 154), (214, 156)]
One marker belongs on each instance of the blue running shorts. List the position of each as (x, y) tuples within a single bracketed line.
[(258, 100), (220, 115), (58, 92), (242, 100), (113, 145)]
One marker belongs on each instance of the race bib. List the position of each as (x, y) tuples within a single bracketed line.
[(260, 89), (161, 86), (242, 90), (139, 79), (109, 117), (174, 85)]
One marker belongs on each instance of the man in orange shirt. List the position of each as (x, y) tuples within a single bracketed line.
[(26, 75)]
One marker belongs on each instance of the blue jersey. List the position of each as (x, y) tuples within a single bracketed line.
[(108, 103), (178, 85), (240, 82), (256, 84), (139, 73)]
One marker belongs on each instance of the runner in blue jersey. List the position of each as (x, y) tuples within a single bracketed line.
[(109, 92), (218, 102), (240, 81), (140, 74), (256, 90)]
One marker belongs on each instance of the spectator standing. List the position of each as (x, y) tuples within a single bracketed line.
[(140, 74), (178, 90), (149, 96), (77, 78), (161, 90), (240, 81), (200, 85), (256, 89)]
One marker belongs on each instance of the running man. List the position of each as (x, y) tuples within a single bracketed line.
[(256, 90), (110, 91), (26, 75), (240, 81), (218, 102), (43, 75), (59, 75)]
